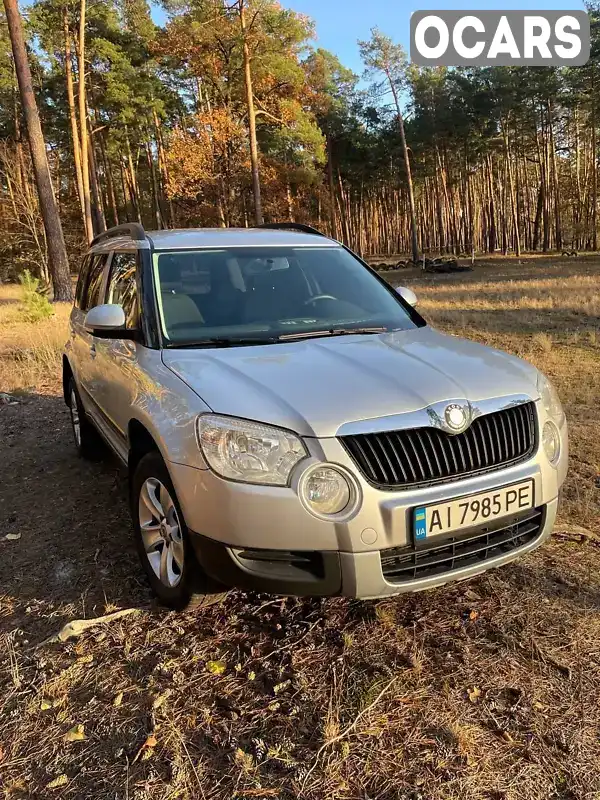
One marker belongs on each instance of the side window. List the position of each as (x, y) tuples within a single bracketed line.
[(81, 281), (92, 294), (122, 286)]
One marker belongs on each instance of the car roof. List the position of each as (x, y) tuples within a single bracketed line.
[(191, 238)]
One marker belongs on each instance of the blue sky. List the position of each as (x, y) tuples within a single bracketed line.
[(340, 23)]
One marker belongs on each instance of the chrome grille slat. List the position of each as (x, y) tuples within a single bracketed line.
[(420, 456)]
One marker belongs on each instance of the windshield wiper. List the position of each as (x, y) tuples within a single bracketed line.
[(287, 337), (225, 341)]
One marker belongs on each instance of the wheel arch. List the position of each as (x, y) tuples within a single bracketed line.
[(141, 441)]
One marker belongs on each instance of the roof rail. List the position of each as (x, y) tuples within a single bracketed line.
[(134, 229), (292, 226)]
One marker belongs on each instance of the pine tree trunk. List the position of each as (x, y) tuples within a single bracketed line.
[(511, 188), (85, 174), (110, 184), (594, 167), (411, 194), (98, 211), (73, 115), (258, 215), (22, 181), (162, 163), (155, 190), (133, 188), (556, 190), (57, 254), (331, 185), (538, 217)]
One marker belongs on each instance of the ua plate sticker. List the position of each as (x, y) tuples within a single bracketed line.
[(420, 523)]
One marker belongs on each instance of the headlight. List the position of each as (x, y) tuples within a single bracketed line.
[(551, 442), (325, 490), (247, 451), (550, 400)]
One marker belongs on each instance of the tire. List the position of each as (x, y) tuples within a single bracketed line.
[(163, 542), (88, 443)]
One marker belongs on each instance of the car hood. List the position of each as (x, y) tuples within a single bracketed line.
[(317, 385)]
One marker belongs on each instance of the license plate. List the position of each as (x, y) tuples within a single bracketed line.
[(465, 512)]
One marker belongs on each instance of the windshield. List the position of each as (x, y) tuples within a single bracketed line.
[(249, 295)]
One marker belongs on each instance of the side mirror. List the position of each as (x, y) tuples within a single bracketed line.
[(407, 295), (108, 322)]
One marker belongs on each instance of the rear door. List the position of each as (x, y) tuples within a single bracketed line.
[(90, 293)]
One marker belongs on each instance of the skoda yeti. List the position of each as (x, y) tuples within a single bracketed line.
[(290, 423)]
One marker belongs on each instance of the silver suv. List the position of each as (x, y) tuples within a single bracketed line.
[(290, 423)]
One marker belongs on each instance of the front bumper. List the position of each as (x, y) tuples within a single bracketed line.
[(233, 522), (362, 575)]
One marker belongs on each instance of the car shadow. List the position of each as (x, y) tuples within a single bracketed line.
[(70, 550)]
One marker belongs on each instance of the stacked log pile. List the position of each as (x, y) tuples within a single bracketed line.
[(434, 265)]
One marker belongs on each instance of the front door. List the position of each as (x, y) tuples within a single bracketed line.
[(83, 343), (117, 359)]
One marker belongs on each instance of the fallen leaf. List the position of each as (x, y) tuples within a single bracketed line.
[(158, 701), (507, 737), (118, 700), (76, 734), (150, 742), (147, 749), (474, 615), (474, 694), (61, 780), (45, 705), (279, 687), (251, 676), (472, 596), (245, 760), (12, 537), (216, 667)]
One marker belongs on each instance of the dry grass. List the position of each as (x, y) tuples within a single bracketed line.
[(30, 353), (487, 690)]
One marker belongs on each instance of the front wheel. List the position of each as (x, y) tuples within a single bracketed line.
[(162, 539)]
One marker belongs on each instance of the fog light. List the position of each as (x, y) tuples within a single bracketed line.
[(326, 491), (551, 442)]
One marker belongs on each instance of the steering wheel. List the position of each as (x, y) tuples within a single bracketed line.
[(319, 297)]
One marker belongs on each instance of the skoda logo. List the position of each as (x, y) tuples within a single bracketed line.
[(456, 418)]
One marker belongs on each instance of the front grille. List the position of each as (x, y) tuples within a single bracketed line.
[(394, 459), (403, 564)]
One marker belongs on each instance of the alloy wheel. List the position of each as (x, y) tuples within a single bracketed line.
[(161, 532)]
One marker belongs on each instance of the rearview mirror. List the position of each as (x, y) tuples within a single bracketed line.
[(108, 322), (407, 295)]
